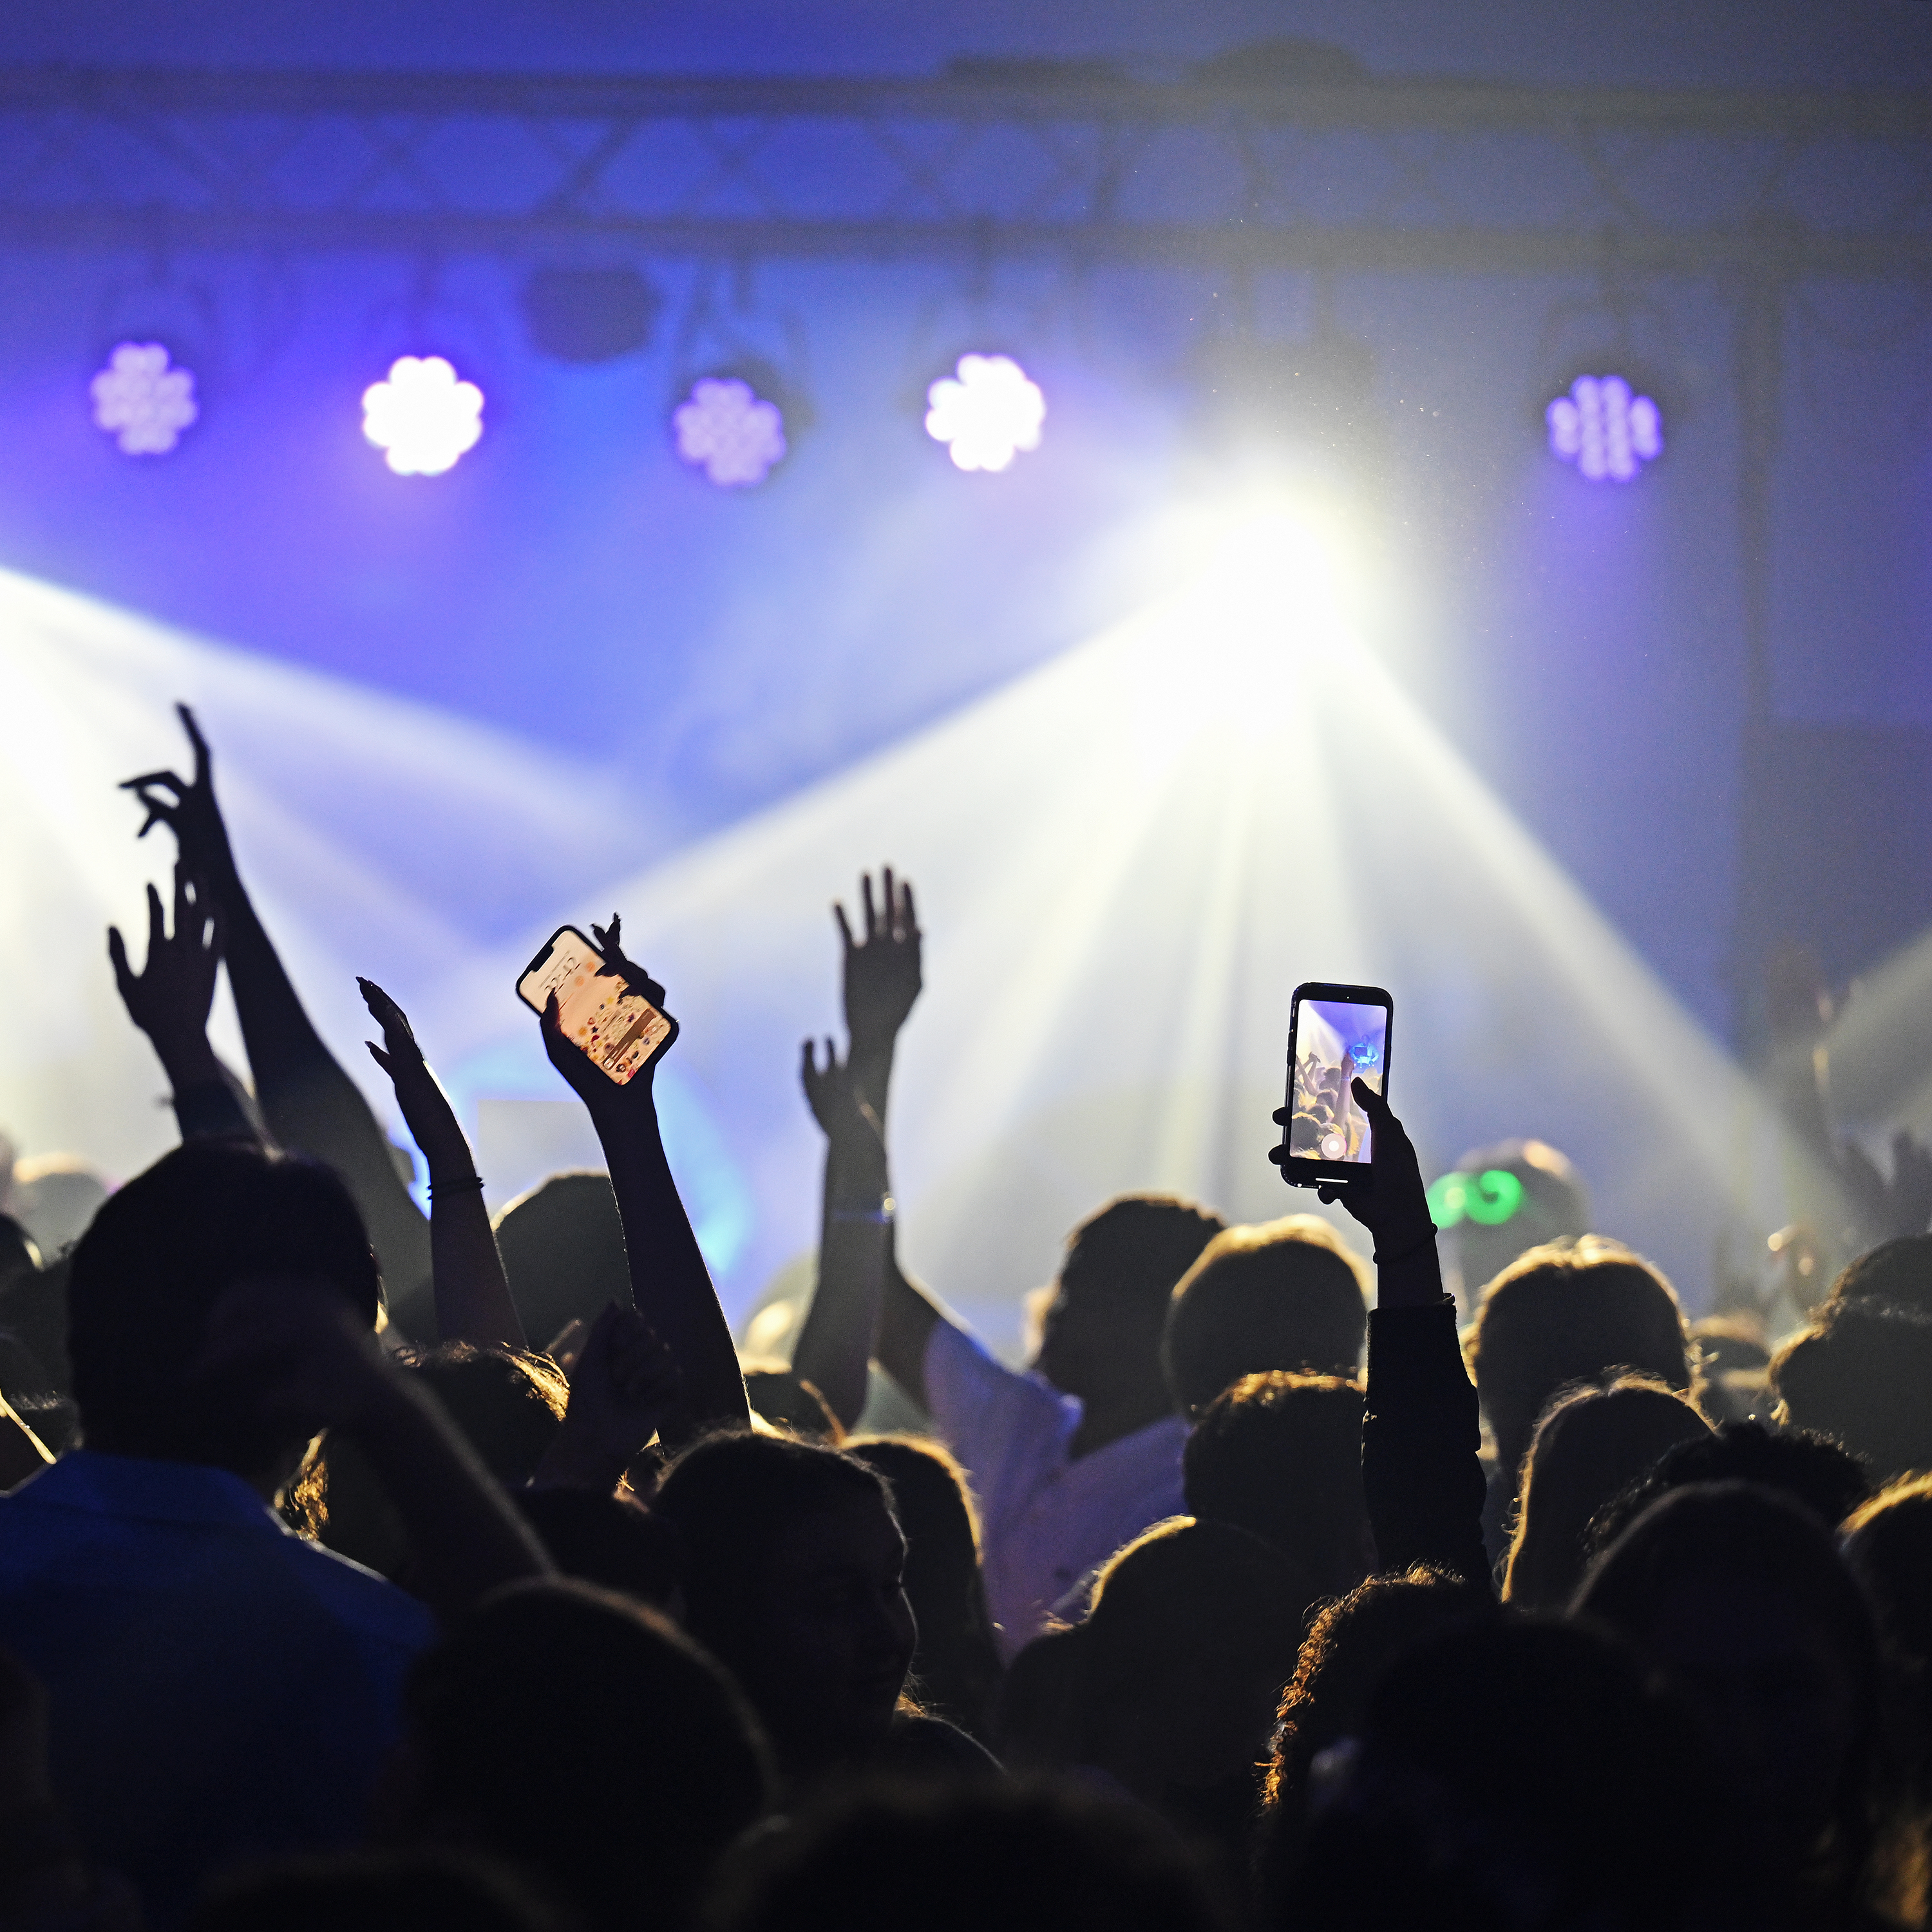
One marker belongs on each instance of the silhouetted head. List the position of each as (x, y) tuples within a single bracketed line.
[(1280, 1454), (1591, 1445), (150, 1270), (1100, 1338), (1811, 1471), (1286, 1294), (380, 1891), (1861, 1374), (1543, 1200), (611, 1540), (582, 1736), (1570, 1311), (1741, 1594), (956, 1668), (1895, 1274), (795, 1570), (1517, 1774), (1021, 1858), (563, 1245)]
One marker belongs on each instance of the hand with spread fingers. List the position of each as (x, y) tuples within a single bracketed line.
[(882, 977), (849, 1124), (170, 997), (188, 809), (427, 1111)]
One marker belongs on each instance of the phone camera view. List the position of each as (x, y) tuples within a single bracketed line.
[(1335, 1042), (617, 1029)]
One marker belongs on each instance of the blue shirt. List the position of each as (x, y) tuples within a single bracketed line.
[(219, 1689)]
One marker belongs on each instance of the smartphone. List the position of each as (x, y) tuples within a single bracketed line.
[(620, 1030), (1336, 1035)]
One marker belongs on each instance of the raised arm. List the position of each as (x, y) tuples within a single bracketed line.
[(307, 1098), (169, 999), (834, 1345), (472, 1294), (669, 1283), (1421, 1433)]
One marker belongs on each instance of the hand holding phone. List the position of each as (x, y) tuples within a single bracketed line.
[(1337, 1035), (593, 1000)]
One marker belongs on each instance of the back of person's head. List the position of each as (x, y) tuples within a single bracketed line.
[(1742, 1594), (55, 1198), (1100, 1338), (507, 1402), (1024, 1858), (1193, 1631), (956, 1668), (1862, 1374), (1895, 1274), (1516, 1773), (380, 1891), (584, 1737), (611, 1540), (1286, 1294), (1888, 1542), (1499, 1201), (791, 1555), (153, 1265), (1591, 1445), (1813, 1471), (1280, 1454), (1570, 1311), (563, 1245)]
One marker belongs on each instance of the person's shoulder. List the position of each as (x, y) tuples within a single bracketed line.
[(920, 1745), (371, 1608)]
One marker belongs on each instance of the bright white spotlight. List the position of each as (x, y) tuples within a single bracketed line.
[(1605, 431), (987, 413), (141, 402), (726, 429), (422, 418)]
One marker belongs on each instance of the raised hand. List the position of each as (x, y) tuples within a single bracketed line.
[(881, 968), (591, 1085), (848, 1123), (169, 999), (622, 1388), (1902, 1205), (188, 810), (1390, 1200), (431, 1119)]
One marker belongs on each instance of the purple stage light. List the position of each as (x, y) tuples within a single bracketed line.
[(1608, 433), (726, 429), (141, 402)]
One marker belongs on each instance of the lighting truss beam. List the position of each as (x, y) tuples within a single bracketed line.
[(1075, 166)]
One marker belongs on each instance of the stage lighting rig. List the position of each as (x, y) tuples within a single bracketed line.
[(143, 402), (422, 417), (1606, 430), (987, 411), (727, 430)]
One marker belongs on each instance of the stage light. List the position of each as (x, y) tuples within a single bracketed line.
[(726, 429), (1608, 433), (422, 418), (986, 413), (141, 402)]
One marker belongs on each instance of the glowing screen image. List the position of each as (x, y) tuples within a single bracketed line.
[(1335, 1041), (614, 1026)]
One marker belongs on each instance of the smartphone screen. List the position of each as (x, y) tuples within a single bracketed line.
[(619, 1029), (1336, 1041)]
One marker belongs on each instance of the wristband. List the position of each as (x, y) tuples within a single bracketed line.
[(471, 1184), (880, 1216)]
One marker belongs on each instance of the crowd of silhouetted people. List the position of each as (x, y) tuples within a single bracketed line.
[(366, 1568)]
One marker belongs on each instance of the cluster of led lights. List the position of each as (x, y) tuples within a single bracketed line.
[(424, 417)]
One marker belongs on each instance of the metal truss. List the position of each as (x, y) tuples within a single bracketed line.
[(1071, 164)]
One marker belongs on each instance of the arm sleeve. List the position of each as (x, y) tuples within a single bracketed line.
[(1422, 1469), (1010, 1430)]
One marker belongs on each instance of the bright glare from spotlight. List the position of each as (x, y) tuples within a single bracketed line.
[(986, 413), (1605, 431), (141, 402), (422, 418), (726, 429)]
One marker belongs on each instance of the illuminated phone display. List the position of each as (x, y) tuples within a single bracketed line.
[(1338, 1035), (620, 1030)]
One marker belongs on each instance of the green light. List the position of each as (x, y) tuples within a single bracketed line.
[(1488, 1199)]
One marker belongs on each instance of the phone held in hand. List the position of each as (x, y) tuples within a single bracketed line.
[(620, 1030), (1336, 1035)]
